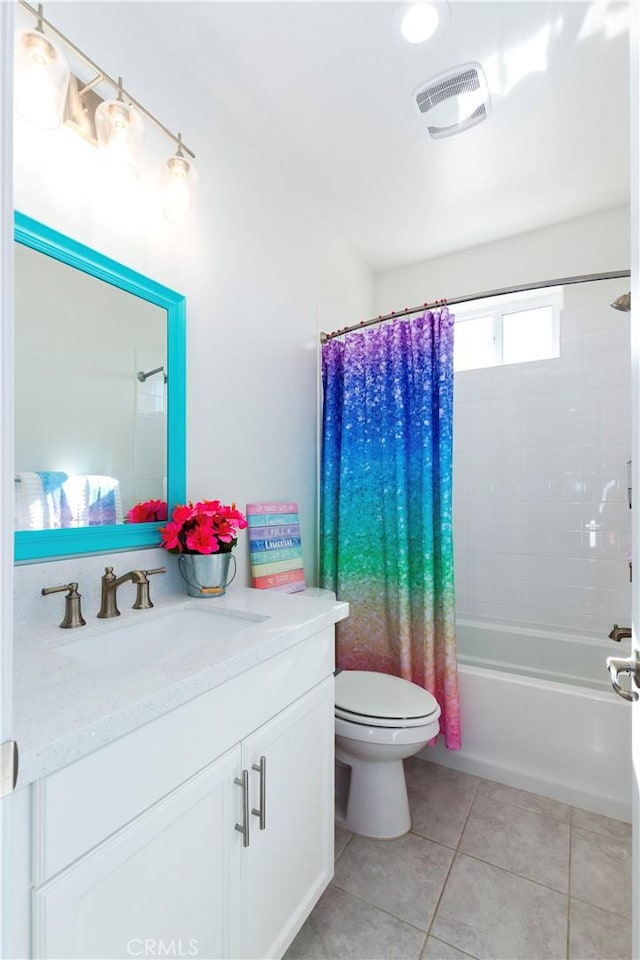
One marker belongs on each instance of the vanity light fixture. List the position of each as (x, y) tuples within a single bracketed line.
[(48, 94)]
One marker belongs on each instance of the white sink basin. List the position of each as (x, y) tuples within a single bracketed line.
[(134, 646)]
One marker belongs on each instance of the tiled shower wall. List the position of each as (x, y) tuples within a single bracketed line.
[(541, 520)]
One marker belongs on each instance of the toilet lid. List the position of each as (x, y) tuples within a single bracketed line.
[(379, 699)]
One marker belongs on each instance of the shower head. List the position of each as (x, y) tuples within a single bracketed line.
[(142, 375), (623, 302)]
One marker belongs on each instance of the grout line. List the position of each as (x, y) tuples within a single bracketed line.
[(347, 842), (596, 906), (605, 836), (423, 947), (453, 860), (538, 883), (446, 944), (568, 942), (376, 906), (520, 806)]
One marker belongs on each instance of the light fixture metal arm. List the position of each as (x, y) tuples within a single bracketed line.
[(103, 76)]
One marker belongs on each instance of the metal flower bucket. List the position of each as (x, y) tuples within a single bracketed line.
[(206, 575)]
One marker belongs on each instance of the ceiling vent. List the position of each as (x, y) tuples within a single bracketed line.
[(454, 101)]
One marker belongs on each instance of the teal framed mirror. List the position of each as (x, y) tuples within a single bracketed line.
[(100, 388)]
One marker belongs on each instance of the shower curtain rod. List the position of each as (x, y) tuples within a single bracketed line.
[(539, 285)]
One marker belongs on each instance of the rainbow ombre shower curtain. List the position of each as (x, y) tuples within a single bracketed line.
[(386, 489)]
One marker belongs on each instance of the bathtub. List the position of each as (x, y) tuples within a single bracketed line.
[(561, 732)]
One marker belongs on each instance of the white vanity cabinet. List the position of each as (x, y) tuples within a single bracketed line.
[(137, 847), (290, 861), (164, 880)]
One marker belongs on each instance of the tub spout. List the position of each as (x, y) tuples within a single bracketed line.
[(620, 633)]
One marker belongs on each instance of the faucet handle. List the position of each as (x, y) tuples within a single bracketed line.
[(72, 609), (143, 600)]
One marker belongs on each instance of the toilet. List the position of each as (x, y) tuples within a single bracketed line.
[(379, 720)]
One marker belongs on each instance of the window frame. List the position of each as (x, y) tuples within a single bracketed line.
[(501, 305)]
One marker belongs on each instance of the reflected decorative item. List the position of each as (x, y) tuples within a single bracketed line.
[(204, 536), (147, 511)]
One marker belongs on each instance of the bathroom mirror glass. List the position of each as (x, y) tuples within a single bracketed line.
[(99, 398)]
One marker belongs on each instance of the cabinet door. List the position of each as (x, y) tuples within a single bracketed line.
[(290, 862), (166, 885)]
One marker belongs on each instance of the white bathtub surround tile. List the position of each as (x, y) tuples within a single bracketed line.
[(601, 871), (419, 869), (342, 838), (342, 926), (606, 574), (440, 799), (534, 802), (596, 933), (508, 488), (518, 840), (570, 600), (605, 826), (488, 912), (478, 412), (560, 435), (438, 950)]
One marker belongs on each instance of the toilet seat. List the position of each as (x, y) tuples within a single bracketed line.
[(373, 699)]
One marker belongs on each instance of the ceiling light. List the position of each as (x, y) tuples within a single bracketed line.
[(419, 23), (415, 23)]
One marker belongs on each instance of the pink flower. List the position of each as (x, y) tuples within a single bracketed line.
[(202, 539), (208, 527), (171, 536), (210, 507), (182, 513)]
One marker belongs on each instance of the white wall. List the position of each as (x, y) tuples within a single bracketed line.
[(593, 244), (261, 269), (541, 522)]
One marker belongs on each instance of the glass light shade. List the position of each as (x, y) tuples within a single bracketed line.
[(180, 180), (42, 79), (120, 133), (420, 22)]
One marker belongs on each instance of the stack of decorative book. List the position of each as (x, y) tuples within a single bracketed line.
[(276, 546)]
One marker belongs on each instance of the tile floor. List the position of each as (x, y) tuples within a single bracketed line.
[(487, 872)]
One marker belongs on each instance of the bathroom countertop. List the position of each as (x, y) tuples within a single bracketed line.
[(65, 708)]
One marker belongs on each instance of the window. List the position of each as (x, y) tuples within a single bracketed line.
[(514, 328)]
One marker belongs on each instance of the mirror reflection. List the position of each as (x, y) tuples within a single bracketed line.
[(90, 398)]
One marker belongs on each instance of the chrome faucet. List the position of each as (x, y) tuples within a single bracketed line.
[(620, 633), (110, 584)]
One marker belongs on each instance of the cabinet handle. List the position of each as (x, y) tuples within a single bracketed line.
[(243, 827), (262, 811)]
